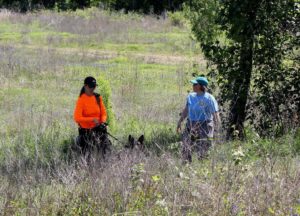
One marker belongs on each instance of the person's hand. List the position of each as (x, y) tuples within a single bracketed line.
[(96, 121), (103, 127), (178, 129)]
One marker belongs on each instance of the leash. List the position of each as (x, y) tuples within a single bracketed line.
[(103, 128), (115, 138)]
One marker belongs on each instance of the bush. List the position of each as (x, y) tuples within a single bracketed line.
[(177, 19), (105, 92)]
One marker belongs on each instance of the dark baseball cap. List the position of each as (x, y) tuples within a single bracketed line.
[(90, 81)]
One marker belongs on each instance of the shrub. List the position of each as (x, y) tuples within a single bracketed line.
[(105, 92), (177, 19)]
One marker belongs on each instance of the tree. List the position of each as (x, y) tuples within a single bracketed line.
[(246, 44), (148, 6), (20, 5), (144, 6)]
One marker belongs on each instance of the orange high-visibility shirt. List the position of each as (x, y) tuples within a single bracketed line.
[(87, 109)]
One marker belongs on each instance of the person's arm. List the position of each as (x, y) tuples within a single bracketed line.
[(215, 110), (217, 120), (183, 115)]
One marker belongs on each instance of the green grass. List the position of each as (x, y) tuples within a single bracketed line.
[(43, 61), (171, 40), (10, 37)]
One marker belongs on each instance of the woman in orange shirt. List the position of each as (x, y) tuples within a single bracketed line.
[(90, 115)]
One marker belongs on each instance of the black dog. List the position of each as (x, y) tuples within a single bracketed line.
[(133, 144)]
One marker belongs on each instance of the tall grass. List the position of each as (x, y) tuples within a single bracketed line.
[(132, 183), (98, 30), (43, 61)]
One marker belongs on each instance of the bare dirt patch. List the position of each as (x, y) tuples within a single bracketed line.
[(154, 58)]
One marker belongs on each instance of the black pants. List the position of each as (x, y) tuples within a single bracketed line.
[(94, 139)]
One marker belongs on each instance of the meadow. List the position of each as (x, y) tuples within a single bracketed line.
[(145, 63)]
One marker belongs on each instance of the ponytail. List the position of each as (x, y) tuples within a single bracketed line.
[(81, 91)]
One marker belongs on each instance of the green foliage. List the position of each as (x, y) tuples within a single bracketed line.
[(79, 204), (148, 6), (177, 18), (259, 147), (238, 155), (276, 85), (39, 87), (136, 175), (146, 193), (250, 60), (145, 6), (159, 138), (105, 92), (41, 148)]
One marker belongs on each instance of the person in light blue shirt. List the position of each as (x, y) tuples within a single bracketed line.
[(201, 107), (202, 113)]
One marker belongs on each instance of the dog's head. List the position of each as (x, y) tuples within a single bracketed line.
[(132, 143)]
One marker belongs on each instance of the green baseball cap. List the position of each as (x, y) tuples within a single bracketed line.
[(200, 80)]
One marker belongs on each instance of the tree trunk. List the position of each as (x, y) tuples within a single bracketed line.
[(24, 6), (241, 90)]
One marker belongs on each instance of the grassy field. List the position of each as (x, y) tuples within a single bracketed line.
[(147, 62)]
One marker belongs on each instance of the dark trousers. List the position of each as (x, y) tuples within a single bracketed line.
[(93, 140), (197, 135)]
